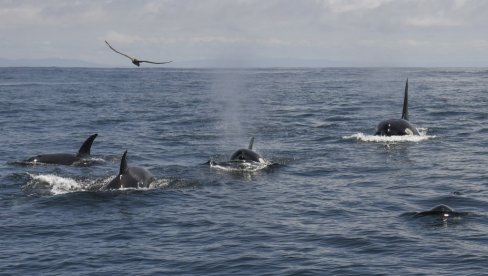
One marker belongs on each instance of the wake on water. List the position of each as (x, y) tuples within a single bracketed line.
[(240, 166), (391, 139), (50, 184)]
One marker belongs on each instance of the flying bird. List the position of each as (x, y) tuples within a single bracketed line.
[(135, 60)]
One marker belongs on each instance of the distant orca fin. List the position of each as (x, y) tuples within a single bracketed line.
[(251, 143), (123, 163), (85, 148), (405, 103)]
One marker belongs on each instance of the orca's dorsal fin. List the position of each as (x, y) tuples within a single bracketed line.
[(85, 148), (123, 163), (251, 143), (405, 103)]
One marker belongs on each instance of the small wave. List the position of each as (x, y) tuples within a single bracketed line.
[(390, 139), (236, 166), (160, 183), (38, 83), (96, 159), (50, 184), (90, 161)]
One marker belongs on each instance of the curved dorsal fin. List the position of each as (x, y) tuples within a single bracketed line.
[(123, 163), (85, 148), (251, 143), (405, 103)]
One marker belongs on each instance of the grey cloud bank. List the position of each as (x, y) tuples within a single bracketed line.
[(250, 33)]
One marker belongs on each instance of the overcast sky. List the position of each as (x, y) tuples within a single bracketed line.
[(250, 32)]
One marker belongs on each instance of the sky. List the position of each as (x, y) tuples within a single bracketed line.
[(247, 33)]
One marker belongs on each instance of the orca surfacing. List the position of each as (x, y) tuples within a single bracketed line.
[(441, 211), (130, 177), (247, 154), (396, 127), (65, 158)]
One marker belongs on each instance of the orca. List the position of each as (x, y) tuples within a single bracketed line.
[(248, 154), (442, 211), (130, 177), (396, 127), (65, 158)]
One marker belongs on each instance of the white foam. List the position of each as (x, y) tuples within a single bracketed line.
[(240, 166), (390, 139), (56, 185), (91, 160), (50, 184), (159, 183), (96, 159)]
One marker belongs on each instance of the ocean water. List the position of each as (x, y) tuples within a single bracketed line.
[(335, 201)]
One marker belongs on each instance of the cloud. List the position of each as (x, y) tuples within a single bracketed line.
[(433, 22), (329, 29), (348, 6), (117, 37), (16, 15)]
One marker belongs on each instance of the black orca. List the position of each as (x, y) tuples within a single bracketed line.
[(65, 158), (393, 127), (130, 177), (247, 154), (442, 211)]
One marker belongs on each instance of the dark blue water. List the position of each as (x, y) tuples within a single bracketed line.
[(337, 201)]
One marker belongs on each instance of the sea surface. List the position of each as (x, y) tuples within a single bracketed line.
[(334, 200)]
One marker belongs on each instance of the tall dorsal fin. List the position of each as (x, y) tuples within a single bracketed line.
[(251, 143), (405, 103), (85, 148), (123, 163)]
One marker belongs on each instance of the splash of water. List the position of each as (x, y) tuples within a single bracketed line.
[(390, 139), (233, 166), (159, 183), (52, 184)]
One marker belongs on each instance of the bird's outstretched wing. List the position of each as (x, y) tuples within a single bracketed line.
[(164, 62), (118, 51)]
